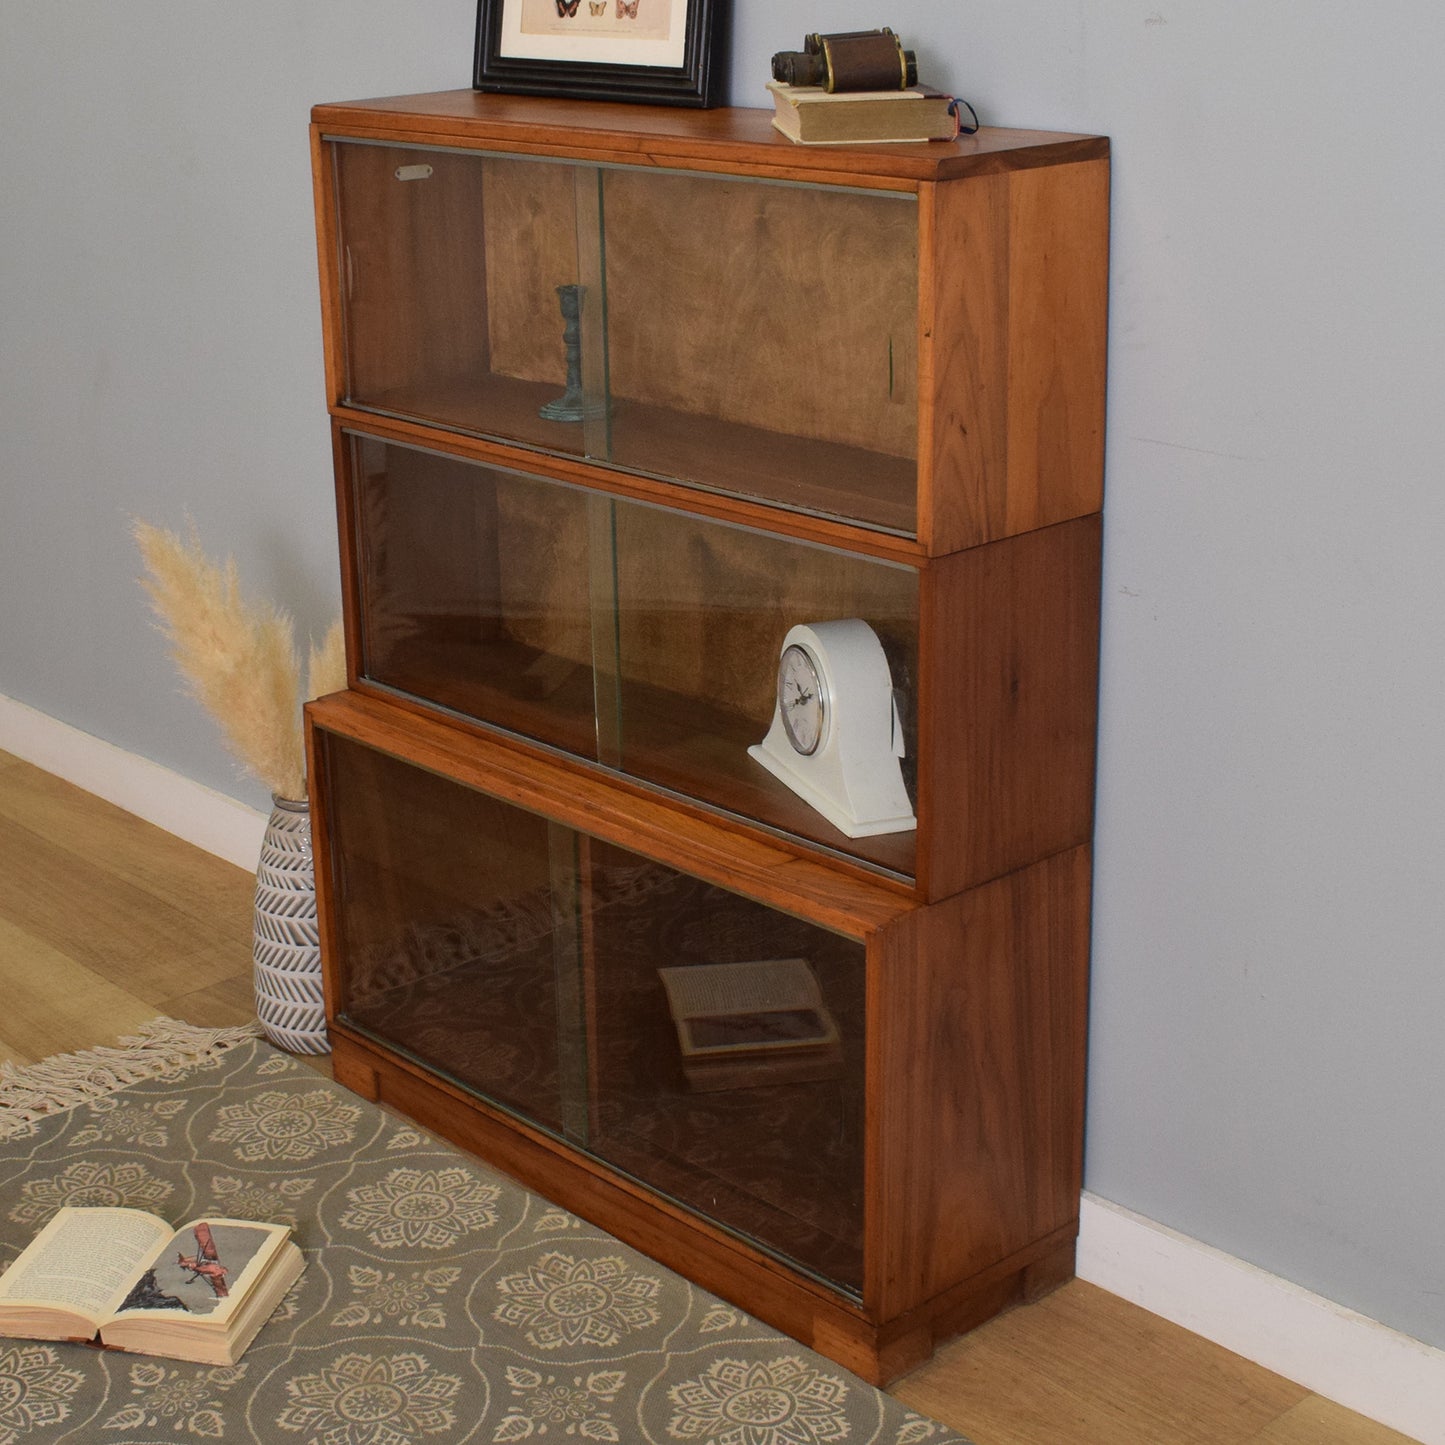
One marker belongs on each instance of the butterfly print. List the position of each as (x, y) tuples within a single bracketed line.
[(626, 11), (566, 9), (597, 7)]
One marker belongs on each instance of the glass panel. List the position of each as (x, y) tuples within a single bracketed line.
[(748, 337), (704, 609), (636, 636), (525, 961), (475, 591), (445, 928), (766, 1139), (762, 340), (450, 266)]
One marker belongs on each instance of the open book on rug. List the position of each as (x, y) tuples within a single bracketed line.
[(128, 1280)]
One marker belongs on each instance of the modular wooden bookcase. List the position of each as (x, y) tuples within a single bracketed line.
[(619, 396)]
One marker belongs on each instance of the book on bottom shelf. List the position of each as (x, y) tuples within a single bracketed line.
[(811, 115), (129, 1281), (748, 1025)]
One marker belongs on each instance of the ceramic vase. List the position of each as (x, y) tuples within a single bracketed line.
[(286, 951)]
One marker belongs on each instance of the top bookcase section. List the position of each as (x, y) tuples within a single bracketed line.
[(907, 339)]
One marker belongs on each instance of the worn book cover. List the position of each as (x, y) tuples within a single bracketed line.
[(811, 115), (742, 1025)]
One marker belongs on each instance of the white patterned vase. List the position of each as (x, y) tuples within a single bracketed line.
[(287, 945)]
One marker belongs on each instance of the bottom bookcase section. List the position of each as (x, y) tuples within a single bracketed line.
[(857, 1116), (529, 963)]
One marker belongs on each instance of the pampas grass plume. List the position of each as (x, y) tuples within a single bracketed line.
[(238, 658), (326, 663)]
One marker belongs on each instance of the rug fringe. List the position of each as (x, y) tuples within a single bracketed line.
[(162, 1046)]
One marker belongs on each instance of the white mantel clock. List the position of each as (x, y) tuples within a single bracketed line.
[(836, 737)]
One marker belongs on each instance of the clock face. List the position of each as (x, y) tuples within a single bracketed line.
[(802, 699)]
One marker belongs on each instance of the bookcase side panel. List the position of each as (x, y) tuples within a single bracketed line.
[(346, 537), (1017, 295), (1008, 707), (318, 786), (1058, 331), (963, 425), (978, 1020), (323, 189)]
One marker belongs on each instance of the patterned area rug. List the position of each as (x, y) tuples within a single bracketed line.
[(441, 1303)]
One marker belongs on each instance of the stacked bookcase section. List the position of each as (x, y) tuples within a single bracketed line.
[(704, 834)]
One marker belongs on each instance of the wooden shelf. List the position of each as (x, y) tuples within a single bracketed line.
[(692, 450), (486, 681), (678, 743)]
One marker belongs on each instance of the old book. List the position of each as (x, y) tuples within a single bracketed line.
[(743, 1025), (125, 1279), (811, 115)]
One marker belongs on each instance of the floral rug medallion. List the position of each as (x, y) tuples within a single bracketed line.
[(441, 1303)]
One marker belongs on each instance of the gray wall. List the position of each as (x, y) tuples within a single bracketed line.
[(1266, 1066)]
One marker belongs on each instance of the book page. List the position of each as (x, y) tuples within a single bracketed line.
[(203, 1270), (83, 1260)]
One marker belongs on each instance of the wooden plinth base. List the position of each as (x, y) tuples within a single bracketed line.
[(826, 1320)]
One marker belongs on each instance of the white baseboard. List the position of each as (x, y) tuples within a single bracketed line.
[(1332, 1351), (188, 809)]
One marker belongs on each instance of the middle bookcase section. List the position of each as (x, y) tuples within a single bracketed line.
[(749, 337), (769, 677)]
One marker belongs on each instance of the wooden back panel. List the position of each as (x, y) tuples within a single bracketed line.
[(531, 248), (790, 309), (412, 268)]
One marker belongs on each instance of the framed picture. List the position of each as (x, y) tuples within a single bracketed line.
[(658, 52)]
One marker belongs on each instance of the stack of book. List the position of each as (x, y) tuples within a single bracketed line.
[(745, 1025), (811, 115)]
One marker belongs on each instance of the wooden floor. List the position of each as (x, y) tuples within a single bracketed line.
[(106, 921)]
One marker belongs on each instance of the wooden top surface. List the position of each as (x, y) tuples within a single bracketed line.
[(728, 138)]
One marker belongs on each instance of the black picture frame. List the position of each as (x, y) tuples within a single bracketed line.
[(697, 81)]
